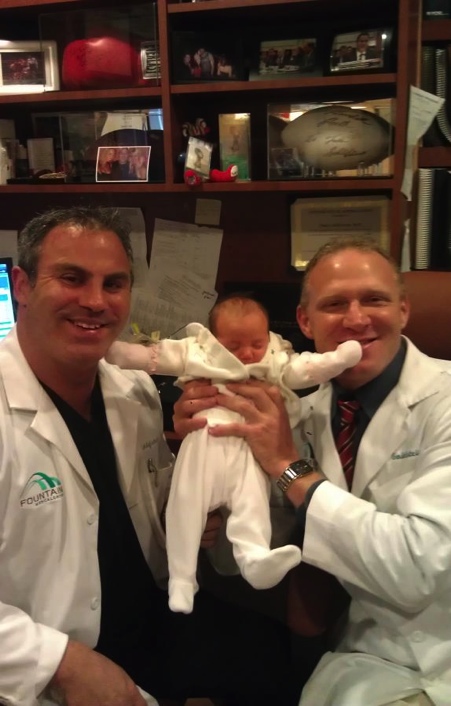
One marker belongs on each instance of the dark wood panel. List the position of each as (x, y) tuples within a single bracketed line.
[(256, 241), (434, 157), (436, 30)]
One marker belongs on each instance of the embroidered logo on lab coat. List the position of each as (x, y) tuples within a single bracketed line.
[(405, 454), (41, 488)]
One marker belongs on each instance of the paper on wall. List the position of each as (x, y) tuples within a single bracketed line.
[(180, 285), (423, 108)]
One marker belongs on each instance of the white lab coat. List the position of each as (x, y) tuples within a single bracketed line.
[(389, 542), (49, 576)]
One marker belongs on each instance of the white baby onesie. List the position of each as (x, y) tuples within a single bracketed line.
[(211, 472)]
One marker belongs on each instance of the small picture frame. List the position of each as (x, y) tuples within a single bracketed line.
[(206, 56), (362, 51), (28, 67), (287, 58), (198, 156), (234, 142), (123, 163)]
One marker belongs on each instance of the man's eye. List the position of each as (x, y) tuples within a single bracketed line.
[(114, 285), (70, 278)]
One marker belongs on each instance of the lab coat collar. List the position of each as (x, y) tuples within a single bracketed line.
[(25, 393), (420, 378)]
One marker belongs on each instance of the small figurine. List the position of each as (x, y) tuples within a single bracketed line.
[(193, 179)]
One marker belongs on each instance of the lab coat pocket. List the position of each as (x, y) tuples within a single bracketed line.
[(386, 487)]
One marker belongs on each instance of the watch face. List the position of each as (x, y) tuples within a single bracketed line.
[(303, 466)]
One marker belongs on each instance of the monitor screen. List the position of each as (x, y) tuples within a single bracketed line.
[(7, 308)]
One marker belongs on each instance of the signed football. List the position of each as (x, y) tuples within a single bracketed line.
[(338, 137), (99, 62)]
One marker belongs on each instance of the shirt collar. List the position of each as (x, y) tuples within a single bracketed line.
[(371, 395)]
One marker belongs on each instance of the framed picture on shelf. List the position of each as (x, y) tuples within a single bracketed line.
[(28, 67), (287, 58), (235, 142), (123, 163), (362, 51), (331, 140), (206, 56), (198, 156)]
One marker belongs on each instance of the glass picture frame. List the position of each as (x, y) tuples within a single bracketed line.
[(361, 51), (287, 59), (28, 67)]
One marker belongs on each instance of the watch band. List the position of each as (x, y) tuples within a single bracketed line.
[(295, 470)]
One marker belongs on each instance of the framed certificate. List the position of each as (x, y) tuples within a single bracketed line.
[(314, 221)]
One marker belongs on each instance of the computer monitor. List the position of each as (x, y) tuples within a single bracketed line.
[(7, 305)]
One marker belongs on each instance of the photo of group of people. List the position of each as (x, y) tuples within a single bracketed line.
[(287, 57), (122, 163), (203, 64), (202, 56), (22, 68), (358, 50)]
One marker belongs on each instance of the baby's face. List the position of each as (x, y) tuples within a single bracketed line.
[(247, 337)]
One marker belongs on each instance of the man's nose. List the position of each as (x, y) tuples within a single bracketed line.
[(356, 315), (93, 296)]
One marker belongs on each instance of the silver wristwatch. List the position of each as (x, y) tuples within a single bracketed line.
[(297, 469)]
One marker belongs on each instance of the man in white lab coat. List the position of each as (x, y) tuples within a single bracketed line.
[(386, 535), (84, 479)]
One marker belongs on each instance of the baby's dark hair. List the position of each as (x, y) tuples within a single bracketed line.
[(235, 304)]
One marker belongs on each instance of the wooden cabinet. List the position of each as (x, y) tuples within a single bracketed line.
[(255, 214)]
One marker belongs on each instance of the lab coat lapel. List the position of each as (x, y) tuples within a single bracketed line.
[(389, 427), (49, 425), (123, 419), (317, 426), (385, 433)]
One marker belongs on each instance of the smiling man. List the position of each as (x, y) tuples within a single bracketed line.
[(77, 435), (84, 478), (376, 496)]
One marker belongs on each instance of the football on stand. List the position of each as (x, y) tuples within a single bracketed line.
[(339, 137)]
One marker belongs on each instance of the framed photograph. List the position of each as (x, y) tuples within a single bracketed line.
[(206, 56), (198, 156), (123, 163), (331, 140), (235, 142), (287, 58), (360, 52), (28, 67)]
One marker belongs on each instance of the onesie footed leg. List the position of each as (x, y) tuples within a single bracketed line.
[(265, 568), (181, 596)]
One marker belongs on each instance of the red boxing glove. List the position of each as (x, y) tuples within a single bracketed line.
[(99, 62), (230, 174)]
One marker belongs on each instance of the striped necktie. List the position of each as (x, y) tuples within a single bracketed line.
[(345, 437)]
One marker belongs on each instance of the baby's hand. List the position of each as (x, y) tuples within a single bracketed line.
[(131, 356), (349, 352)]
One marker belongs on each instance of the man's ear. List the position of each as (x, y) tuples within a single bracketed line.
[(303, 321), (405, 310), (21, 285)]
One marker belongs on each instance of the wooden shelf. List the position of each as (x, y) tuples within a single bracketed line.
[(434, 157), (284, 84), (110, 94), (225, 5), (376, 184), (436, 30)]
